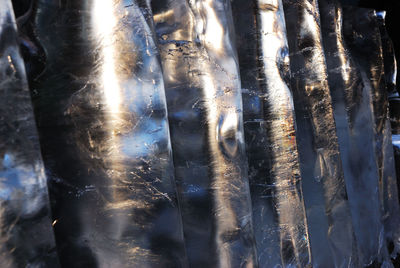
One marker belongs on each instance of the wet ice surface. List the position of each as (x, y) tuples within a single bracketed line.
[(354, 118), (365, 42), (102, 118), (153, 160), (205, 115), (278, 209), (26, 235), (328, 213)]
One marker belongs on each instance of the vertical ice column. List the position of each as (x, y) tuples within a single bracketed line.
[(355, 130), (205, 114), (102, 117), (390, 68), (26, 234), (363, 37), (328, 214), (389, 57), (278, 210)]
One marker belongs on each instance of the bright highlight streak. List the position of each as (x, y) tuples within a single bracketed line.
[(104, 22), (214, 33)]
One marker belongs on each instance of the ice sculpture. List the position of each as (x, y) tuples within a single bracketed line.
[(353, 117), (328, 214), (205, 114), (26, 234), (280, 224), (364, 39), (175, 133), (102, 118)]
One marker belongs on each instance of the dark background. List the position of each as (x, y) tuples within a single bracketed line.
[(392, 8)]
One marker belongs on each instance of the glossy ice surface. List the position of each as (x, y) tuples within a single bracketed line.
[(354, 118), (364, 36), (205, 113), (280, 224), (26, 234), (330, 227), (102, 118), (197, 133)]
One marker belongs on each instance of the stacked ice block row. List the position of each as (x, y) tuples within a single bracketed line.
[(197, 133)]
